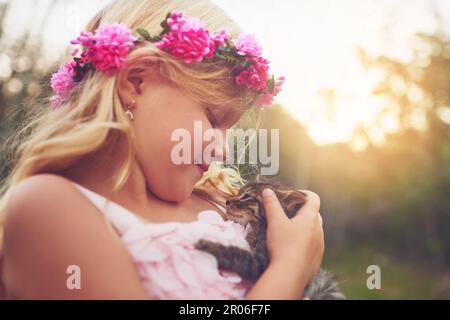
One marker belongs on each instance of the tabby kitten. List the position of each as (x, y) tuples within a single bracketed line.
[(247, 208)]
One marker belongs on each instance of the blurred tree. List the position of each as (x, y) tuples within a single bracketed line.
[(416, 158), (24, 78)]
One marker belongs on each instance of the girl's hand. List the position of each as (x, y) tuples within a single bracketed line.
[(298, 243)]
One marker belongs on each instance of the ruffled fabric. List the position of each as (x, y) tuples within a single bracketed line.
[(171, 268)]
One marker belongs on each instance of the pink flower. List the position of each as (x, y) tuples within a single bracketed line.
[(183, 37), (108, 48), (221, 38), (248, 45), (113, 43), (74, 52), (255, 75), (188, 39), (62, 82), (175, 19), (267, 98), (86, 39)]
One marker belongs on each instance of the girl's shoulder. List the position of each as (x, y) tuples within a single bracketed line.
[(45, 200), (50, 226), (42, 194), (47, 196)]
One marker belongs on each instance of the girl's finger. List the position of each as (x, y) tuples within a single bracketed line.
[(274, 211)]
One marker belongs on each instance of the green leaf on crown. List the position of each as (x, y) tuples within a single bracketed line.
[(225, 49), (248, 63), (164, 24), (229, 57), (144, 34)]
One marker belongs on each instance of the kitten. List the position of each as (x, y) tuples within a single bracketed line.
[(247, 208)]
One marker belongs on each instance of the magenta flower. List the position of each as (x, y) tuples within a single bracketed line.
[(188, 39), (248, 45), (220, 38), (183, 37), (267, 98), (175, 19), (62, 82), (255, 76), (112, 45), (86, 39), (108, 48)]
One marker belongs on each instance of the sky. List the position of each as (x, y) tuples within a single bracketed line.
[(313, 43)]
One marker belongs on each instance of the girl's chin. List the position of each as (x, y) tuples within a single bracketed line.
[(183, 192), (183, 186)]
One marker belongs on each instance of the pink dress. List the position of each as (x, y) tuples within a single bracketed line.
[(164, 255)]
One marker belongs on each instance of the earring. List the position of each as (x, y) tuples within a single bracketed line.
[(128, 112)]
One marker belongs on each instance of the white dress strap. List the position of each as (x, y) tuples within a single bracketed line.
[(120, 217)]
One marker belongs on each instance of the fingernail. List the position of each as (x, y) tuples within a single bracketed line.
[(268, 193)]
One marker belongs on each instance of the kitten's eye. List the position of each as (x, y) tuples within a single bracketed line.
[(246, 197)]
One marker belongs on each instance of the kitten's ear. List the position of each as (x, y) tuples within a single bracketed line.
[(292, 203), (262, 179), (257, 178), (298, 197)]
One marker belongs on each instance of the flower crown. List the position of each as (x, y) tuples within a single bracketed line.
[(183, 37)]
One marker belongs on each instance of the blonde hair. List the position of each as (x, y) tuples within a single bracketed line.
[(93, 118)]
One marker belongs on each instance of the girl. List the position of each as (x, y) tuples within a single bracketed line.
[(95, 208)]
